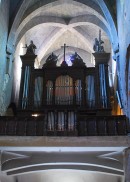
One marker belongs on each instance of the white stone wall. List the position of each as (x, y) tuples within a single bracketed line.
[(4, 178), (17, 65), (69, 176)]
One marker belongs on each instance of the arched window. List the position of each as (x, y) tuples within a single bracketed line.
[(64, 90)]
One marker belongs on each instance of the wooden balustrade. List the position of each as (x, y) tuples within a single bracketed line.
[(84, 126)]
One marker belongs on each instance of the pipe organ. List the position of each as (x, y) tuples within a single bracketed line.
[(64, 93)]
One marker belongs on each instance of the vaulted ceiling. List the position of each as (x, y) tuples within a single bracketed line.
[(51, 23)]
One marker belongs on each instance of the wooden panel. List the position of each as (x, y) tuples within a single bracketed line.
[(111, 126), (31, 127), (92, 126), (101, 125), (11, 127), (121, 125), (3, 126), (21, 126), (85, 126)]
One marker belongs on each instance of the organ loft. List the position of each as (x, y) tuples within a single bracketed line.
[(66, 100), (64, 91), (66, 87)]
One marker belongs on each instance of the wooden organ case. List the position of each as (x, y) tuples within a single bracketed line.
[(64, 95)]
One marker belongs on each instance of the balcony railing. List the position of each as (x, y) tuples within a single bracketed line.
[(84, 126)]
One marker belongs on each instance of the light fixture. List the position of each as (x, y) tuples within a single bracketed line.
[(35, 115)]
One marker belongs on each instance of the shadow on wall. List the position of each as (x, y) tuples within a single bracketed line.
[(11, 110)]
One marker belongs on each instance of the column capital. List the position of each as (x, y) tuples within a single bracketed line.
[(28, 59), (101, 58)]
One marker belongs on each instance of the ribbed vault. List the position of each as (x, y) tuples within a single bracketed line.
[(50, 24)]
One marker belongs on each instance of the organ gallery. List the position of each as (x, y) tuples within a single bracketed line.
[(68, 100)]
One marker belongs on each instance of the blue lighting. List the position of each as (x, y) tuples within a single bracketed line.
[(68, 61)]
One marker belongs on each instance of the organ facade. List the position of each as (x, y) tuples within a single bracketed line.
[(68, 100)]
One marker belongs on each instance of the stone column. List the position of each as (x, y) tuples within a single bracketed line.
[(126, 161)]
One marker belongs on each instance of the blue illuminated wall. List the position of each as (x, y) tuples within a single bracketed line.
[(123, 26), (4, 78)]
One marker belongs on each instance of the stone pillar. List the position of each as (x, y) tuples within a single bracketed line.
[(126, 162)]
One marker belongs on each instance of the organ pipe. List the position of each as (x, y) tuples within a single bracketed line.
[(38, 89), (90, 91), (103, 93), (64, 90), (49, 92), (26, 88), (78, 91)]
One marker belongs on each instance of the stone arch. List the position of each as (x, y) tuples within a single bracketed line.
[(60, 52), (59, 22), (92, 19), (46, 45), (24, 6), (91, 4), (109, 18), (53, 21)]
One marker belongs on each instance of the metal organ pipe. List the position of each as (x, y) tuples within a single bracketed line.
[(26, 88), (49, 92), (103, 94), (90, 91), (64, 90), (38, 91), (50, 123), (78, 91)]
